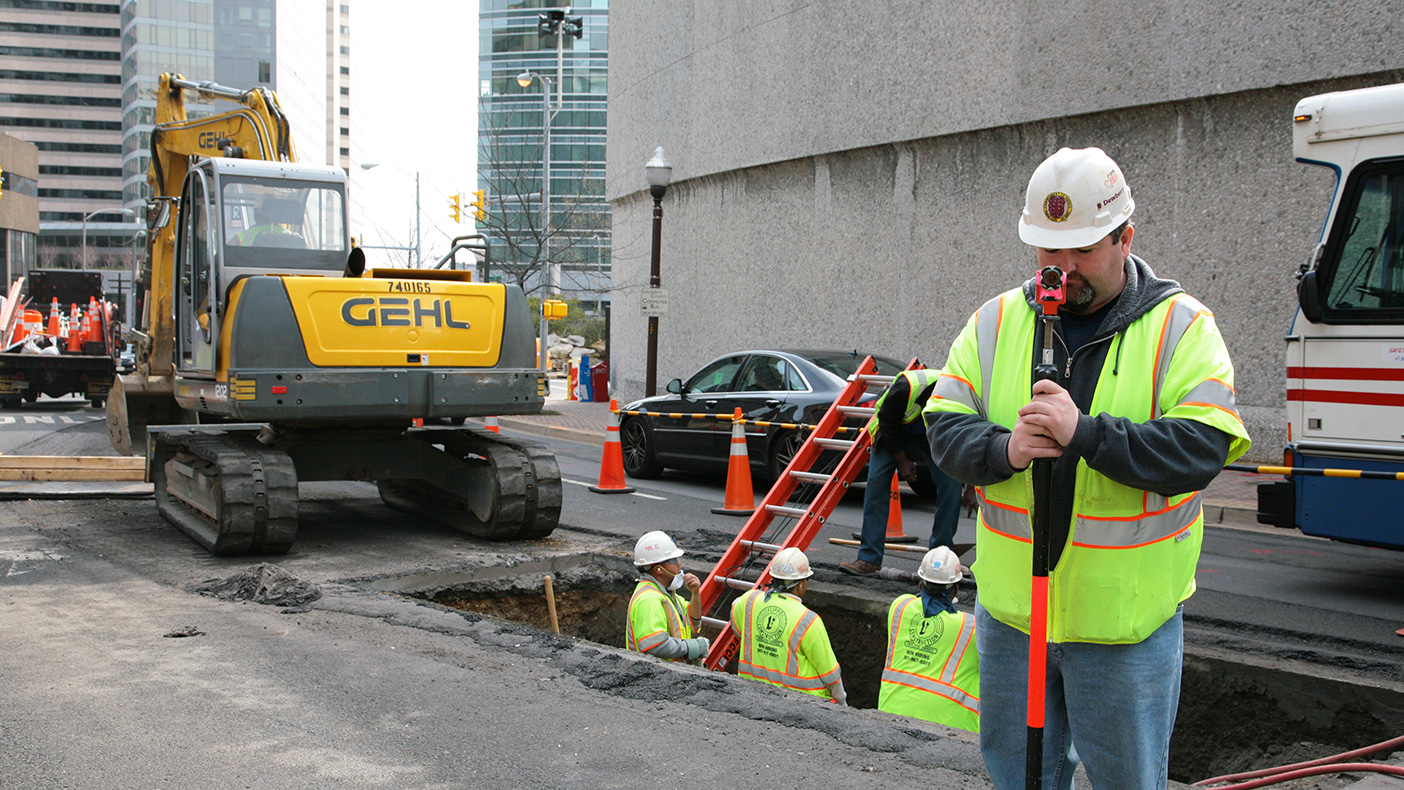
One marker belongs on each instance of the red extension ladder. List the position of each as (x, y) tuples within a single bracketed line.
[(776, 514)]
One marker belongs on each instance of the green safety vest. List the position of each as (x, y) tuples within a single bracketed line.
[(1130, 555), (932, 670), (654, 615), (784, 643), (919, 380)]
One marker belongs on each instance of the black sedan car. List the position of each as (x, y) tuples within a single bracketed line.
[(776, 386)]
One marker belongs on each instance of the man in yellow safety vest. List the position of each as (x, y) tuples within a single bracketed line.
[(782, 641), (932, 670), (660, 624), (1140, 418)]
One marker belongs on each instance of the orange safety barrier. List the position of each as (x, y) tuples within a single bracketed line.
[(740, 496), (612, 460)]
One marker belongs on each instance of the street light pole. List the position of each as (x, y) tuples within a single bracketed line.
[(659, 173), (547, 115), (126, 211)]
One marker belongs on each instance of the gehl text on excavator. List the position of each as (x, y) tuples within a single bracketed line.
[(269, 354)]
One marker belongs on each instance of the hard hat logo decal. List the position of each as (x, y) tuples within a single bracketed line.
[(1112, 177), (1057, 207), (1104, 203)]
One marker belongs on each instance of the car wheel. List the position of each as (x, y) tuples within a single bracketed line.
[(782, 450), (636, 443)]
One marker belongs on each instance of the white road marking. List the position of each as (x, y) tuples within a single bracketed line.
[(634, 493)]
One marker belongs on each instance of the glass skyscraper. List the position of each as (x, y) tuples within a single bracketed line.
[(575, 239)]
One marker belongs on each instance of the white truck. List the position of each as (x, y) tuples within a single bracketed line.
[(1345, 349)]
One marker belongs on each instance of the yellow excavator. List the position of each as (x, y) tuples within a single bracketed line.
[(268, 353)]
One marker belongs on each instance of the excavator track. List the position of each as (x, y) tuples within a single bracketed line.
[(227, 491), (513, 491)]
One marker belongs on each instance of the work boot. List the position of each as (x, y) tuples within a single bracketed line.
[(859, 568)]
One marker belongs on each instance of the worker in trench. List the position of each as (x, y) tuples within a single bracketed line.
[(781, 640), (932, 670), (660, 623)]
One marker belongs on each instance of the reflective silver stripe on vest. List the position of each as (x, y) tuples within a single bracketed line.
[(780, 678), (957, 390), (650, 642), (1012, 523), (895, 629), (746, 635), (986, 335), (967, 630), (1213, 392), (1182, 314), (1101, 533), (796, 636), (933, 686)]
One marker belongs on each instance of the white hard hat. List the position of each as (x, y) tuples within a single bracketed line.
[(655, 547), (940, 566), (791, 565), (1075, 197)]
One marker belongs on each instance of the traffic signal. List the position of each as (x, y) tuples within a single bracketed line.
[(456, 208), (480, 204), (552, 309)]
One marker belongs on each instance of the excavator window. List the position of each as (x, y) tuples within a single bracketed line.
[(303, 220)]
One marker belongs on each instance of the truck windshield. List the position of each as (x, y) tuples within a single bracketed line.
[(303, 220), (1368, 276)]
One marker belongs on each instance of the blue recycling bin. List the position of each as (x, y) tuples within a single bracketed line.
[(583, 381)]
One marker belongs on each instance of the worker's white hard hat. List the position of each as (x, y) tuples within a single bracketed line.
[(791, 565), (655, 547), (940, 566), (1075, 197)]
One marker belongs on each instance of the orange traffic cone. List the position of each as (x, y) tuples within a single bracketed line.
[(740, 496), (417, 422), (894, 517), (612, 461), (86, 332), (53, 329), (94, 331), (75, 333), (491, 424)]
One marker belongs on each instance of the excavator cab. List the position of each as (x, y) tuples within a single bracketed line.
[(243, 218)]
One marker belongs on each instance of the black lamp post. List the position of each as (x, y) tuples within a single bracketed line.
[(659, 172)]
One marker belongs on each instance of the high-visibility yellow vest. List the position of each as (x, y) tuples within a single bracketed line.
[(1130, 554), (784, 643), (654, 615), (918, 380), (932, 670)]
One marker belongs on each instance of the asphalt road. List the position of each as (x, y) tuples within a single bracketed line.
[(365, 689)]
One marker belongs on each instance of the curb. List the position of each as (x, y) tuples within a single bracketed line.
[(555, 431)]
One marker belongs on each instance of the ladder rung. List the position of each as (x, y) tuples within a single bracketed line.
[(834, 444), (736, 584), (795, 512), (858, 411), (811, 477), (765, 548), (876, 379), (712, 622)]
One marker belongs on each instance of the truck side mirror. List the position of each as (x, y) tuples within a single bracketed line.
[(1309, 297)]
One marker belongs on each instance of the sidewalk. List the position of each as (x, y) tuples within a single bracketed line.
[(1231, 499)]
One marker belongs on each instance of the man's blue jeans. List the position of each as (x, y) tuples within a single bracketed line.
[(1115, 703), (877, 498)]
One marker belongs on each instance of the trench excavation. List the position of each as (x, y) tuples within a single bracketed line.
[(1237, 713)]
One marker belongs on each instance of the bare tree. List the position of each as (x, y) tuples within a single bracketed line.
[(509, 168)]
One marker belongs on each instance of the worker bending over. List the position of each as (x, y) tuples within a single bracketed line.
[(899, 438), (660, 624), (782, 641), (932, 670)]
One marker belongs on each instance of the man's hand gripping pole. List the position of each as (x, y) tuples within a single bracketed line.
[(1049, 289)]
